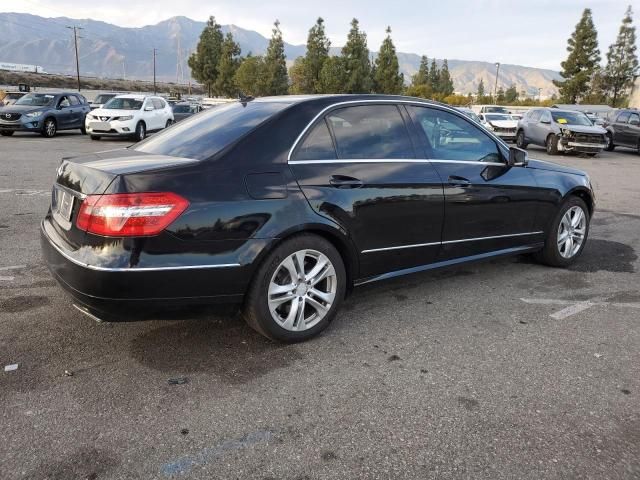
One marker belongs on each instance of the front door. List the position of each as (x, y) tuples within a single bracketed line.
[(358, 167), (489, 206), (63, 118)]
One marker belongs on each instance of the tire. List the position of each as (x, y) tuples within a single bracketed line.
[(141, 132), (520, 141), (95, 137), (554, 254), (609, 140), (591, 155), (168, 124), (552, 145), (264, 309), (83, 130), (49, 128), (638, 147), (6, 134)]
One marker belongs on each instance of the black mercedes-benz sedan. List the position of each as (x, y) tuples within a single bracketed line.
[(284, 203)]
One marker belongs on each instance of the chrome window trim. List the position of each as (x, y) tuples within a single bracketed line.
[(446, 242), (395, 160), (142, 269), (380, 101)]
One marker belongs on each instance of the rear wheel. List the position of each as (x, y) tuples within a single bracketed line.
[(520, 141), (141, 131), (49, 128), (568, 234), (6, 134), (297, 290), (609, 143), (552, 145)]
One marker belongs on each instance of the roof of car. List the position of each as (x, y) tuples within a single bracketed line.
[(132, 95), (342, 97)]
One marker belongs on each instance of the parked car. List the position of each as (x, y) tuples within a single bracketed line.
[(101, 99), (10, 98), (516, 116), (560, 131), (184, 110), (44, 113), (501, 124), (469, 113), (129, 116), (623, 130), (285, 203), (478, 109)]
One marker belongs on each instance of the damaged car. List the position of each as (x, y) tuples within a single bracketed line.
[(560, 131)]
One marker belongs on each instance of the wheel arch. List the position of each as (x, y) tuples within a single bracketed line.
[(585, 195)]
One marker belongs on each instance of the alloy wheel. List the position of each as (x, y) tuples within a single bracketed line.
[(571, 231), (302, 290), (50, 128)]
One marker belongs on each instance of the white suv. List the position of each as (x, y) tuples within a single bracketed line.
[(129, 116)]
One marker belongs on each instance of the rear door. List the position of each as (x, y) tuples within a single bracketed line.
[(633, 130), (76, 113), (620, 128), (357, 166), (489, 206)]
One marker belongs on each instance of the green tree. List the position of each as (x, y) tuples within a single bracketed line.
[(298, 78), (434, 76), (511, 95), (422, 75), (388, 78), (582, 61), (333, 77), (480, 92), (422, 90), (355, 55), (227, 66), (318, 45), (275, 71), (204, 61), (622, 61), (500, 95), (250, 76), (445, 83)]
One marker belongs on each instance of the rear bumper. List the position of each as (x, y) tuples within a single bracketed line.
[(107, 289)]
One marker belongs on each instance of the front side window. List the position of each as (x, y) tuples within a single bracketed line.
[(157, 103), (123, 103), (64, 102), (545, 116), (370, 132), (74, 100), (450, 137), (317, 145), (623, 117)]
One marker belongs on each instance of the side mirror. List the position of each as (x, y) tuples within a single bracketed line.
[(517, 157)]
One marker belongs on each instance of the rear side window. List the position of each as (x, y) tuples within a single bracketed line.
[(450, 137), (317, 145), (201, 136), (623, 117), (370, 132)]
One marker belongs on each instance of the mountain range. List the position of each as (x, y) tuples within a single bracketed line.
[(108, 50)]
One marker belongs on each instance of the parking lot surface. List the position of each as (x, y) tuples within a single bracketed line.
[(505, 369)]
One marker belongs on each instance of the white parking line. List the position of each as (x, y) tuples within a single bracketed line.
[(6, 279), (12, 267), (574, 307), (23, 191)]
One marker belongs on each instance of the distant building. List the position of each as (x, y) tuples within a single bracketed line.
[(634, 97)]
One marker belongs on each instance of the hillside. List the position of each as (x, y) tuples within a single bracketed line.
[(108, 50)]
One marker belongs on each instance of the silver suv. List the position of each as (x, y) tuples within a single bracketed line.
[(560, 131)]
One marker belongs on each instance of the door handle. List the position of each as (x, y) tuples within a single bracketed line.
[(459, 181), (343, 181)]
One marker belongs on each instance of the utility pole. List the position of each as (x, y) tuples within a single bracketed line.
[(495, 90), (539, 94), (154, 71), (75, 41)]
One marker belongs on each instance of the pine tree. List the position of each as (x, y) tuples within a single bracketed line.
[(333, 76), (388, 78), (318, 45), (480, 92), (250, 76), (204, 61), (511, 95), (227, 66), (500, 95), (276, 78), (445, 83), (356, 61), (622, 61), (434, 76), (582, 61), (422, 75), (298, 78)]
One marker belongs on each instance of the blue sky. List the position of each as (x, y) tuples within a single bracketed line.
[(532, 33)]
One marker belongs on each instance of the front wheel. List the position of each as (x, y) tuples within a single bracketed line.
[(552, 145), (609, 143), (568, 234), (520, 141), (141, 132), (49, 128), (297, 290), (168, 124)]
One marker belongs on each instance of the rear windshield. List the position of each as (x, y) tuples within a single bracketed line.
[(571, 118), (123, 103), (201, 136)]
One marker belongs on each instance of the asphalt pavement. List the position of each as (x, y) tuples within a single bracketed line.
[(500, 370)]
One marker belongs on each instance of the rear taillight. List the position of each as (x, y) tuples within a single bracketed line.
[(129, 214)]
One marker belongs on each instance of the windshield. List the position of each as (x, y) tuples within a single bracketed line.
[(123, 103), (496, 109), (494, 117), (103, 98), (571, 118), (203, 135), (37, 100)]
